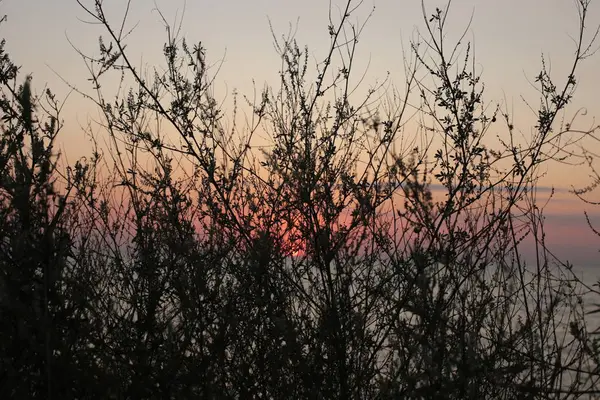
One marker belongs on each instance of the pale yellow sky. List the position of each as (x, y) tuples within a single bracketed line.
[(509, 37)]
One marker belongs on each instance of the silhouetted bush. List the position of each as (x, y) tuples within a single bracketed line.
[(181, 262)]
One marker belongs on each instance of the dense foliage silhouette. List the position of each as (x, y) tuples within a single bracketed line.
[(181, 261)]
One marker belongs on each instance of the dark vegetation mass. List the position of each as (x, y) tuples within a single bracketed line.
[(179, 260)]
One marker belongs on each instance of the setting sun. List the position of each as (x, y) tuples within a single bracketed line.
[(200, 200)]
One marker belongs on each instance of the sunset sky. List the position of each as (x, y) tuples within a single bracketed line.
[(509, 37)]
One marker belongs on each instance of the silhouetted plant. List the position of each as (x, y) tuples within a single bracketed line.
[(180, 262), (43, 300)]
